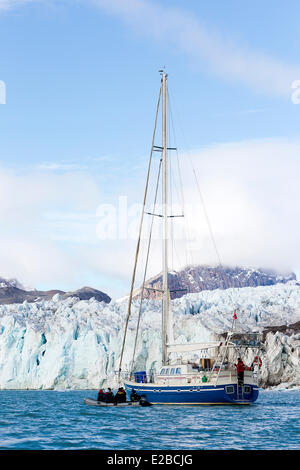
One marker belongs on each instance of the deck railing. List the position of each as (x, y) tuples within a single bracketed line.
[(192, 378)]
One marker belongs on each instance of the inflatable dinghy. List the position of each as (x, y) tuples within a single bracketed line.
[(92, 402)]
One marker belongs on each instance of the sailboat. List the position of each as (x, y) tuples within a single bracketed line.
[(214, 379)]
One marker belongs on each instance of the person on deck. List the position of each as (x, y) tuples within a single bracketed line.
[(100, 396), (109, 396), (240, 368)]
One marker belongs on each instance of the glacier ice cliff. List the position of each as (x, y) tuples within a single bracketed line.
[(75, 344)]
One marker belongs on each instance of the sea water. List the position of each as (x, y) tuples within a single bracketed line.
[(59, 420)]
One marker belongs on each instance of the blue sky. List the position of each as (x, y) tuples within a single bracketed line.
[(81, 88)]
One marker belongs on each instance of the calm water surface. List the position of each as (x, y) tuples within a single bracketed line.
[(61, 421)]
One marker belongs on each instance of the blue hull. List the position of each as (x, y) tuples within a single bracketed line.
[(200, 395)]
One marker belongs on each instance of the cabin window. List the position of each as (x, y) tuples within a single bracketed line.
[(172, 371), (178, 370), (247, 389), (229, 389), (167, 371), (162, 372)]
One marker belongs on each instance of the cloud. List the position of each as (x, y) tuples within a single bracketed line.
[(250, 189), (251, 194), (9, 4), (184, 32), (31, 211), (59, 166)]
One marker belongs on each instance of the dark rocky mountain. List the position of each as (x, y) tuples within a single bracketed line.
[(197, 278), (85, 293), (11, 283), (14, 295), (11, 294)]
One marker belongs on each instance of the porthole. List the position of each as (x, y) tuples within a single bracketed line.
[(229, 389)]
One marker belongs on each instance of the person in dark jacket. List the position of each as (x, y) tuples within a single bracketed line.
[(100, 396), (144, 401), (134, 396), (120, 396), (109, 396)]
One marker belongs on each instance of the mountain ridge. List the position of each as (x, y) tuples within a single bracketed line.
[(9, 294), (193, 279)]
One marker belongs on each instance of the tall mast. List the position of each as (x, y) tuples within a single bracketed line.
[(165, 301)]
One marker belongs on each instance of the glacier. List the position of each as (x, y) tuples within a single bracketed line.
[(76, 344)]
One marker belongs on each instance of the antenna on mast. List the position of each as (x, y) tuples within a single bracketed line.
[(162, 71)]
